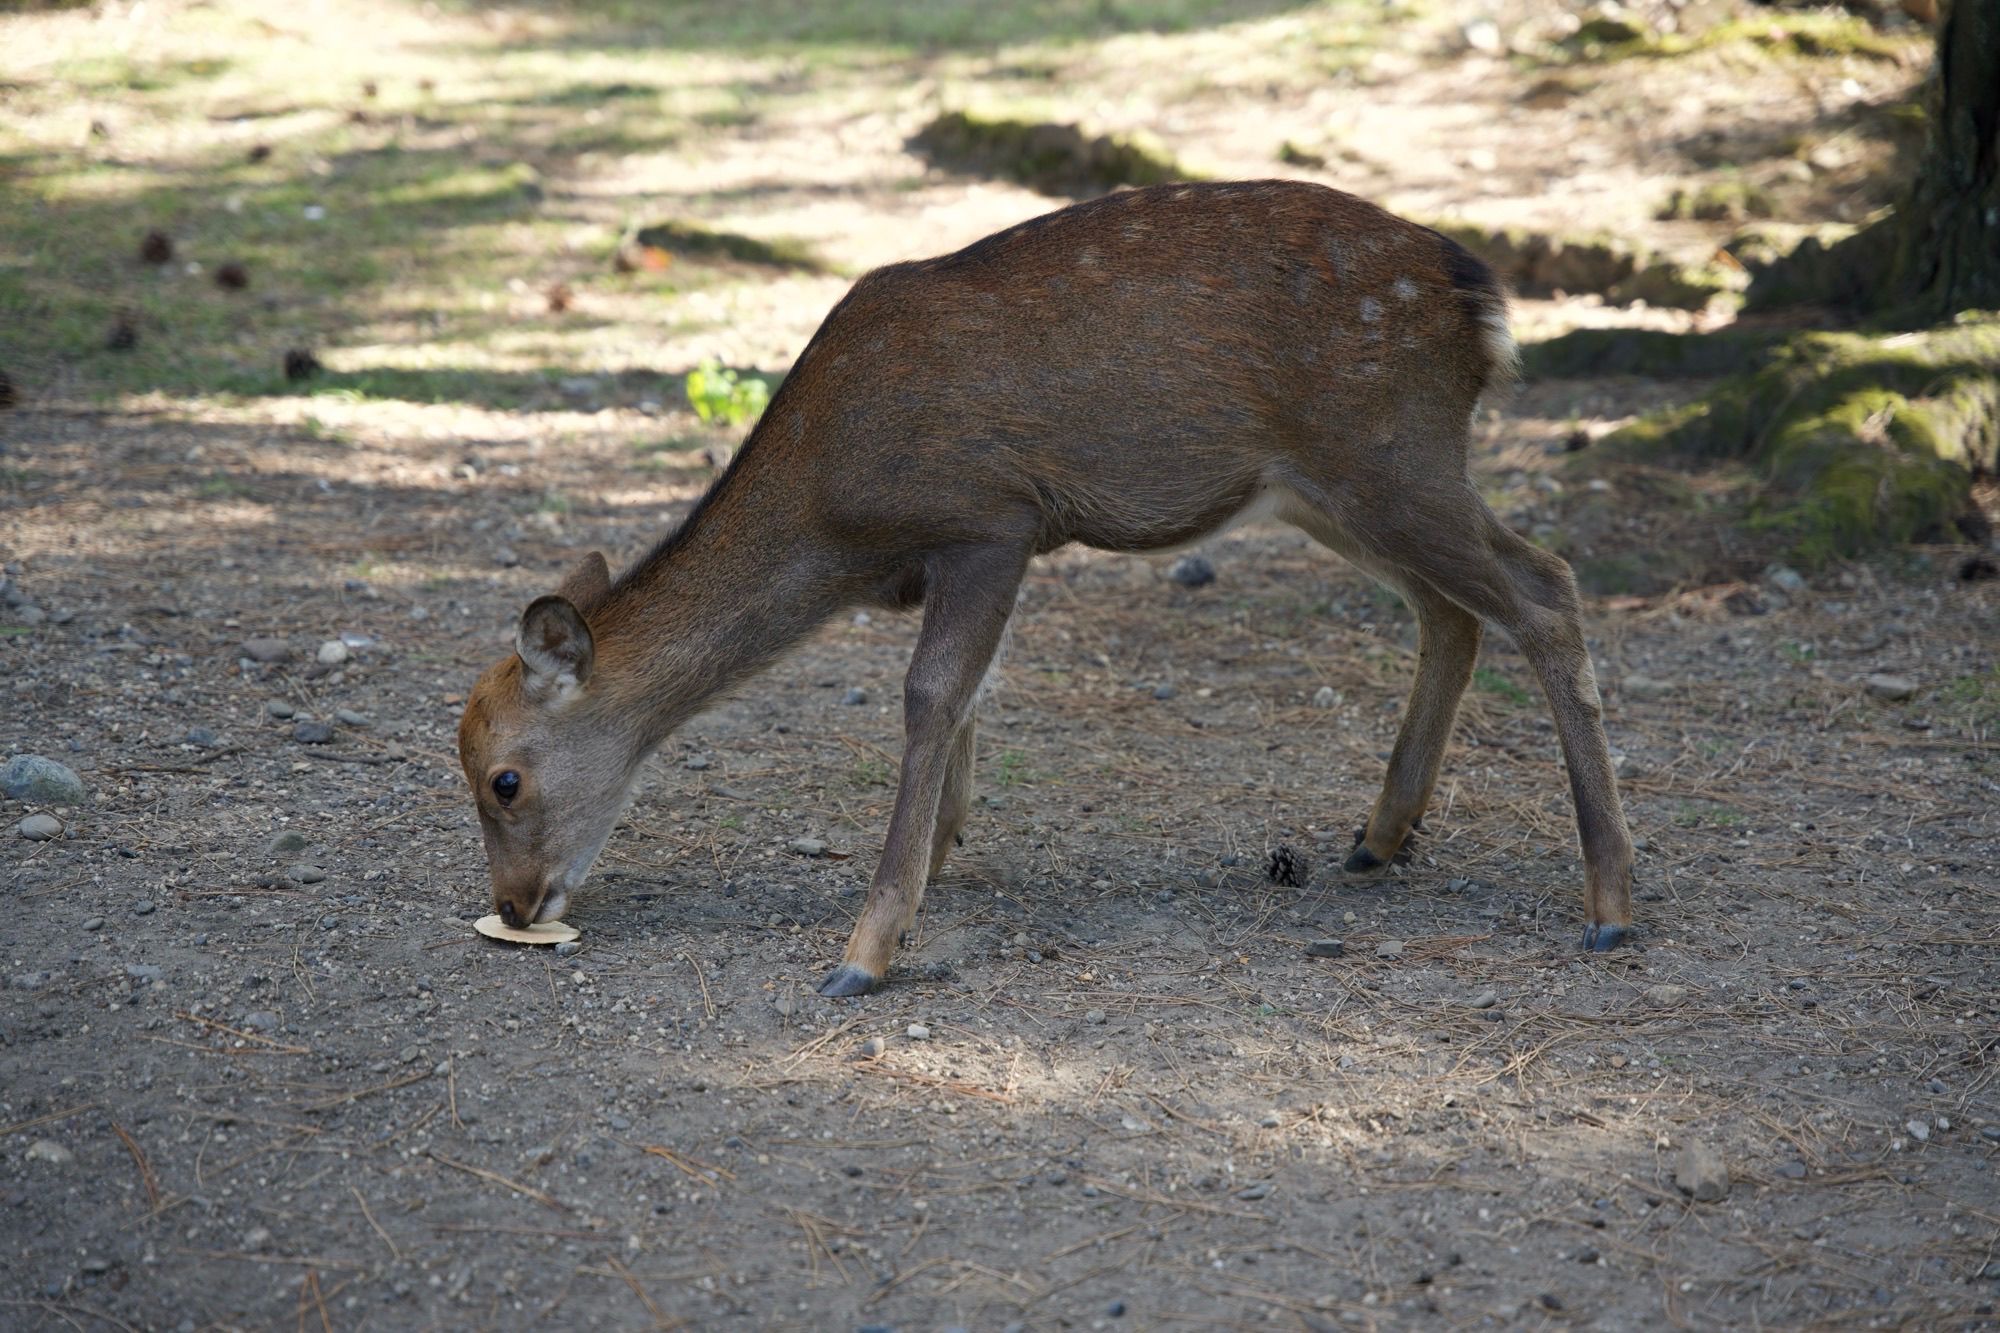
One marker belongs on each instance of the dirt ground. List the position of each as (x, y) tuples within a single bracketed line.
[(257, 1071)]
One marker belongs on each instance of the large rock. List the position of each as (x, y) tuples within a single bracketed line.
[(39, 781)]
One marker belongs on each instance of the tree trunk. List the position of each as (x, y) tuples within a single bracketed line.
[(1948, 228)]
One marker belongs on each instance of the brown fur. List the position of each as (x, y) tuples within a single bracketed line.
[(1131, 373)]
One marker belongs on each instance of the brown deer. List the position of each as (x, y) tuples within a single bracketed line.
[(1135, 373)]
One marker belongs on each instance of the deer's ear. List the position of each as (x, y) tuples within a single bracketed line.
[(554, 644), (587, 583)]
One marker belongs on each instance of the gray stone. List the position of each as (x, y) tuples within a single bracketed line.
[(260, 1020), (855, 696), (506, 557), (1665, 996), (873, 1047), (146, 973), (1389, 949), (306, 874), (41, 828), (1638, 686), (40, 781), (278, 708), (1486, 999), (332, 653), (285, 842), (48, 1150), (1192, 571), (1163, 692), (1325, 697), (256, 1238), (205, 737), (1270, 1120), (94, 923), (1701, 1174), (1890, 689), (1919, 1131), (917, 1032), (1785, 579), (696, 763), (808, 846), (568, 949), (144, 907), (1094, 1017), (267, 651), (347, 717), (1327, 948), (312, 733), (1792, 1170)]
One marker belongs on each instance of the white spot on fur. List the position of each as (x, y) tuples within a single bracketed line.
[(1405, 289), (1086, 257), (1371, 310)]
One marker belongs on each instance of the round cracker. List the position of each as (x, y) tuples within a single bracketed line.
[(542, 932)]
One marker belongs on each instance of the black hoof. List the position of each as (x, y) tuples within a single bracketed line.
[(847, 979), (1604, 938), (1360, 861)]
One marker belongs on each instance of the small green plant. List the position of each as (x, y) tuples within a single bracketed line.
[(1014, 770), (717, 393), (1486, 678)]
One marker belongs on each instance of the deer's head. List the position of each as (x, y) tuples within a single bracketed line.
[(549, 756)]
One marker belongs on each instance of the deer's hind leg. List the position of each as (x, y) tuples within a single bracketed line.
[(1443, 545)]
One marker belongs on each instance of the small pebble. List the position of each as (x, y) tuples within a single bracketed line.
[(256, 1238), (94, 923), (1324, 697), (348, 717), (290, 840), (1389, 949), (855, 695), (1892, 689), (1192, 571), (312, 733), (144, 907), (1919, 1131), (917, 1032), (1327, 948), (568, 949), (1256, 1189), (873, 1047), (1991, 1133), (1665, 996), (1486, 999), (48, 1150), (1701, 1173), (266, 651), (41, 828), (1163, 692), (1094, 1016), (808, 846), (306, 874), (1271, 1120), (260, 1020), (278, 708), (696, 762), (203, 736), (1792, 1170), (1116, 1309)]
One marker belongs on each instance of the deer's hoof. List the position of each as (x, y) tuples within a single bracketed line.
[(1604, 938), (847, 979), (1361, 861)]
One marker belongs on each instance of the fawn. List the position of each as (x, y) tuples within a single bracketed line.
[(1136, 372)]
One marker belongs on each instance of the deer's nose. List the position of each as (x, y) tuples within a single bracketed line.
[(511, 915)]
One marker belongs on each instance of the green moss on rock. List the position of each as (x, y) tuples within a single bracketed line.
[(1857, 441)]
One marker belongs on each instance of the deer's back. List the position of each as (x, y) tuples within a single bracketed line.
[(1136, 367)]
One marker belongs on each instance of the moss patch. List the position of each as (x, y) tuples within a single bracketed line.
[(695, 241), (1053, 159), (1857, 441), (1651, 352)]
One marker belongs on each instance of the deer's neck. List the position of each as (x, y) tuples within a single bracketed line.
[(716, 603)]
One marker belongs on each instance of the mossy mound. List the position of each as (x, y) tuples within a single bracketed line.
[(1053, 159), (1857, 441), (691, 240), (1542, 264), (1718, 201), (1617, 35), (1650, 352)]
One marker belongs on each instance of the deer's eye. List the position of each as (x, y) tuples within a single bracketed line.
[(507, 786)]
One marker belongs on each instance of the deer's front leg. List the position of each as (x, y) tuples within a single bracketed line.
[(967, 600)]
